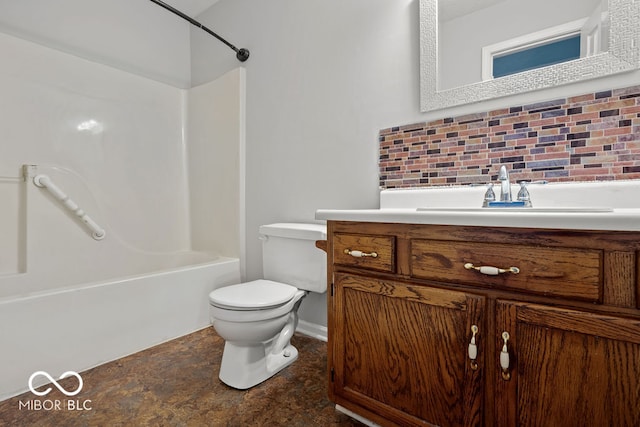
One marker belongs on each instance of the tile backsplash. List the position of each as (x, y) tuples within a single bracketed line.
[(592, 137)]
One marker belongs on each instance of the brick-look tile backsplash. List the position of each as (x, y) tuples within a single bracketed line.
[(583, 138)]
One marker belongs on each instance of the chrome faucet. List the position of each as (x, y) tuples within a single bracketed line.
[(505, 184), (523, 198)]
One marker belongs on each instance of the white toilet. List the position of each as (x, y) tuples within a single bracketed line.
[(257, 319)]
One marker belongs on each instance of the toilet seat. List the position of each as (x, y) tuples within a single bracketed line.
[(256, 315), (256, 295)]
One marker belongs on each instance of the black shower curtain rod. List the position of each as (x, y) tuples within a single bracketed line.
[(241, 54)]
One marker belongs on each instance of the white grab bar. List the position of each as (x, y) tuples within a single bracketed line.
[(43, 181)]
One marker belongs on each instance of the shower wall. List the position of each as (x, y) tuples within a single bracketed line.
[(216, 158), (117, 143), (121, 133)]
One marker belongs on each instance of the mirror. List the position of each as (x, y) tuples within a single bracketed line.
[(460, 52)]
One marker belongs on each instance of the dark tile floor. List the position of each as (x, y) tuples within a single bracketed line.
[(176, 384)]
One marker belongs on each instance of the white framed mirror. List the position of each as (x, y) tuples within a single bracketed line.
[(454, 76)]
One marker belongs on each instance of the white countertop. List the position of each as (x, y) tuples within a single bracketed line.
[(461, 206), (618, 219)]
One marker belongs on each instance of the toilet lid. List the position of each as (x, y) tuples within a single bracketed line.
[(259, 294)]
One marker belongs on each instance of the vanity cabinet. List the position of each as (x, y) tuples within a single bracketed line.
[(572, 368), (420, 335), (380, 358)]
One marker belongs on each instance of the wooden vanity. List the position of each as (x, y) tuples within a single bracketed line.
[(420, 334)]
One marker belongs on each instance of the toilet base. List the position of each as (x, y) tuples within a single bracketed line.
[(244, 366)]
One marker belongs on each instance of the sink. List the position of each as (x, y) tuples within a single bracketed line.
[(610, 205), (532, 210), (556, 198)]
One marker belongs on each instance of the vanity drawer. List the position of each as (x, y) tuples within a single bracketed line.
[(365, 251), (565, 272)]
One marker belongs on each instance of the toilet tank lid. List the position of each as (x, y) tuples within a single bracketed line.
[(295, 231)]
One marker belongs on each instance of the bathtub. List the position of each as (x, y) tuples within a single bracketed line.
[(70, 301), (81, 326), (117, 146)]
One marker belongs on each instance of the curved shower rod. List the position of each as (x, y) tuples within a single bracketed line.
[(241, 54)]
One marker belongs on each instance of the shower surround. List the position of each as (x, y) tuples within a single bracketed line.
[(140, 157)]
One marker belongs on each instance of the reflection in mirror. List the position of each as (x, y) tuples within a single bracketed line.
[(480, 33), (472, 38), (482, 49)]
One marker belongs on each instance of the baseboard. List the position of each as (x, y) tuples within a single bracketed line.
[(356, 416), (312, 330)]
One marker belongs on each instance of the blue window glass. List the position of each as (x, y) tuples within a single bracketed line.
[(537, 57)]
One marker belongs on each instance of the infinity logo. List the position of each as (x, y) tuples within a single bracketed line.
[(58, 386)]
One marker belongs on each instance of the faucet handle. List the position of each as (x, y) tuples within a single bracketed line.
[(489, 195), (523, 194)]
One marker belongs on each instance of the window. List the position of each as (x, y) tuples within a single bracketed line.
[(539, 49), (536, 56)]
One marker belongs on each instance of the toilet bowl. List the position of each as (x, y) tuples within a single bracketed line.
[(257, 319)]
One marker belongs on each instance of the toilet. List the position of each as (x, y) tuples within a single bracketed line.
[(257, 319)]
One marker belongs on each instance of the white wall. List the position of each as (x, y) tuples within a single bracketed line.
[(136, 36), (323, 78)]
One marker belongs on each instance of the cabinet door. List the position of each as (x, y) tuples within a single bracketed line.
[(401, 351), (567, 368)]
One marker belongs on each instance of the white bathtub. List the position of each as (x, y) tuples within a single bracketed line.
[(69, 301), (77, 327)]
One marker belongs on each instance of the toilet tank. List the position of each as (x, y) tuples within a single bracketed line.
[(289, 255)]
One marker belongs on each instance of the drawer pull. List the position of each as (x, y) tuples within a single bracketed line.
[(504, 358), (360, 254), (473, 348), (492, 271)]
